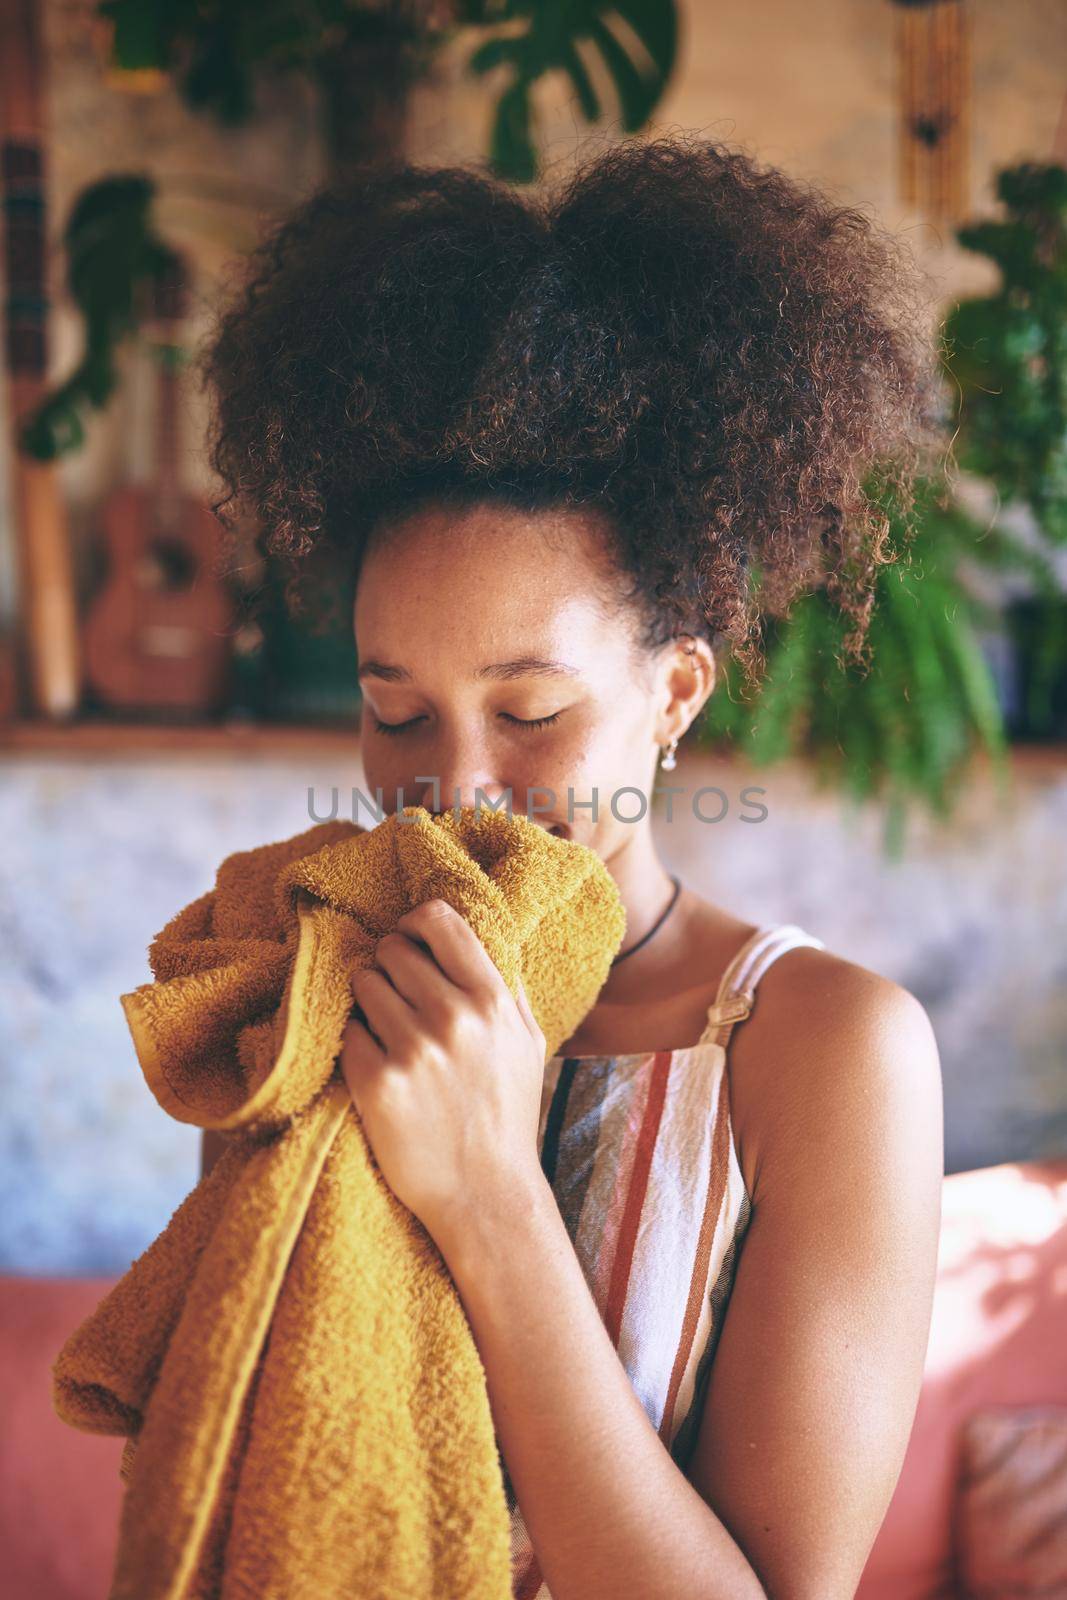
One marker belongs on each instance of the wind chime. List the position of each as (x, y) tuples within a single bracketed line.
[(934, 124)]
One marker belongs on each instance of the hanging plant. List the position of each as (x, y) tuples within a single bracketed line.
[(549, 43), (214, 50), (1009, 348), (906, 729), (113, 255)]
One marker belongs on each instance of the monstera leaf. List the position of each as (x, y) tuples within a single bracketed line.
[(549, 43), (214, 48)]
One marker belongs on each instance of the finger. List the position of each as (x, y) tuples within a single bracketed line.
[(387, 1012), (453, 943), (361, 1054), (522, 1000), (412, 970), (358, 1015)]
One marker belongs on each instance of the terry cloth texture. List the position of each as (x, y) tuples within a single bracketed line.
[(290, 1356)]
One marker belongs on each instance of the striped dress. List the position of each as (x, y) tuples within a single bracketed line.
[(640, 1153)]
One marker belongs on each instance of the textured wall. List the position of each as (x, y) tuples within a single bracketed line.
[(974, 923)]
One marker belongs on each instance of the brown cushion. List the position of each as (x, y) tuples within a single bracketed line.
[(1010, 1523)]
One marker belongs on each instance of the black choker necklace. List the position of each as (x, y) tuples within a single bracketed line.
[(655, 926)]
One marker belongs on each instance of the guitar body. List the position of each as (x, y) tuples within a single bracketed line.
[(158, 633)]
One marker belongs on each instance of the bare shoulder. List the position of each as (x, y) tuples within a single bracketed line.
[(827, 1041), (835, 1092)]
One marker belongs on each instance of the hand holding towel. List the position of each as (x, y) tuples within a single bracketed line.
[(290, 1354), (453, 1136)]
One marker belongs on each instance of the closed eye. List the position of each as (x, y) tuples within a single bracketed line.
[(517, 722), (535, 722)]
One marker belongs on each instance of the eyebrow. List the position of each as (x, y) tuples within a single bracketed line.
[(521, 667)]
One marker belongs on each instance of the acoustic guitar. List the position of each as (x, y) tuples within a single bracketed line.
[(158, 634)]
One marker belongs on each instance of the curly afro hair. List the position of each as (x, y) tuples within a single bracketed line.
[(717, 355)]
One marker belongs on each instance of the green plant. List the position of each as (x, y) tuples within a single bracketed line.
[(905, 726), (1008, 357), (113, 254), (549, 43), (1008, 350), (214, 49)]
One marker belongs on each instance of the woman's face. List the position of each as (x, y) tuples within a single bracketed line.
[(495, 654)]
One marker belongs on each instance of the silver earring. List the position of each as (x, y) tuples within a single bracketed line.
[(668, 763)]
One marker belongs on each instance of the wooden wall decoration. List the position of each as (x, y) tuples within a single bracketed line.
[(933, 67)]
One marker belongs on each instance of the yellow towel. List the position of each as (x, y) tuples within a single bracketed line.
[(290, 1356)]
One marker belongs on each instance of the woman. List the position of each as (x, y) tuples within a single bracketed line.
[(572, 451)]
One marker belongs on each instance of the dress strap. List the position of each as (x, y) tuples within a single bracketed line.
[(737, 991)]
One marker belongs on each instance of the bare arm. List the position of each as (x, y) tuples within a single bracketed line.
[(609, 1512), (817, 1372), (816, 1377)]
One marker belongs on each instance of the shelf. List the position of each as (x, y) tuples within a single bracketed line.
[(87, 738)]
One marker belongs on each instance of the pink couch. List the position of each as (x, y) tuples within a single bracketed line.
[(998, 1337)]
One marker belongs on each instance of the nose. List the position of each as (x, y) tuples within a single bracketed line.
[(461, 791)]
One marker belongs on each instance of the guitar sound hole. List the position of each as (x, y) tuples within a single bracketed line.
[(168, 564)]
